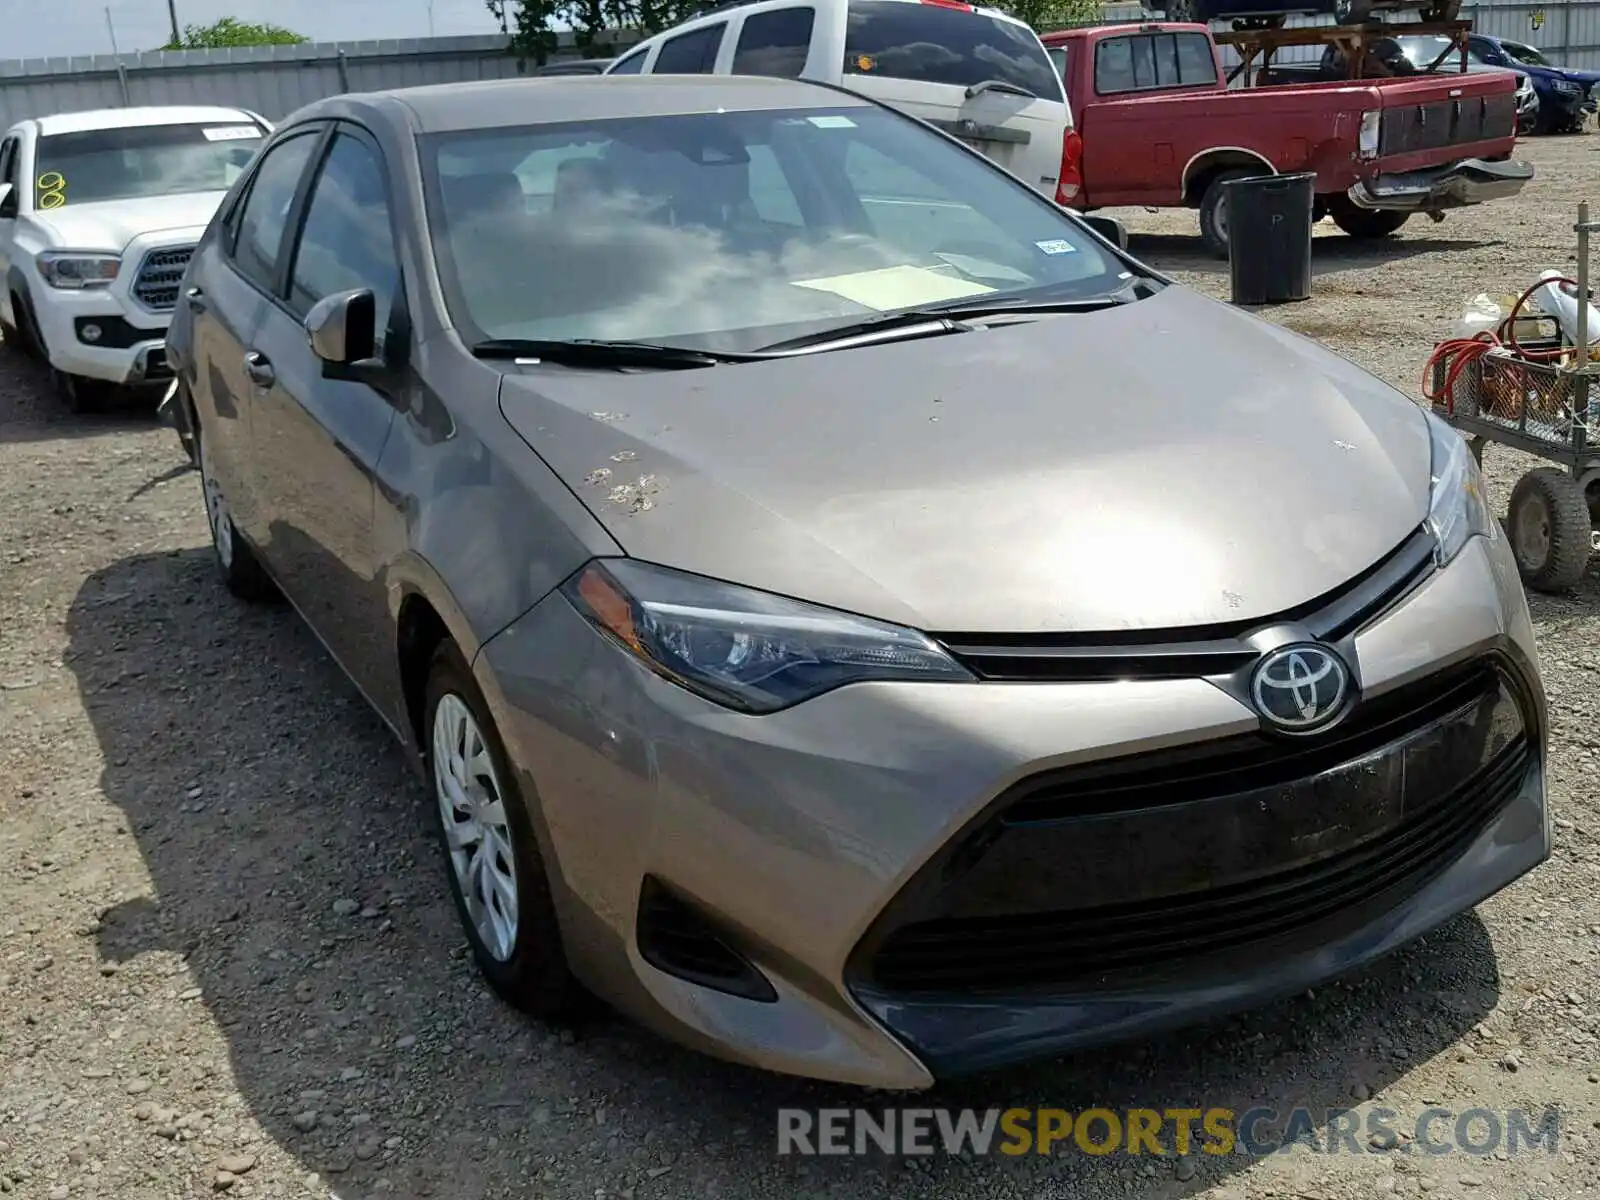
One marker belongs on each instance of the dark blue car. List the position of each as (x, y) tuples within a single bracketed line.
[(1565, 95), (1271, 13)]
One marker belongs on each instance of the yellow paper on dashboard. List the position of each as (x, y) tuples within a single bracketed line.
[(895, 287)]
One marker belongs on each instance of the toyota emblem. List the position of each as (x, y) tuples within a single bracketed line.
[(1300, 688)]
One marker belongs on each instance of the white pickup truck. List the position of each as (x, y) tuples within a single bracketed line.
[(99, 213)]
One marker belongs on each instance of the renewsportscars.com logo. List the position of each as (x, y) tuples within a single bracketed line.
[(1176, 1132)]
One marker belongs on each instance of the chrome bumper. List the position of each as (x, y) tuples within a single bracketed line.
[(1471, 181)]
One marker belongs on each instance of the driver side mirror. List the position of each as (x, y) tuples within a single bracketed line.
[(1113, 230), (343, 329), (8, 202)]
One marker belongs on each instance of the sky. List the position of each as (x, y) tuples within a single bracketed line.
[(79, 26)]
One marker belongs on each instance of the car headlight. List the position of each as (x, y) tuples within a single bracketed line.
[(1367, 141), (77, 271), (1567, 86), (1458, 509), (742, 648)]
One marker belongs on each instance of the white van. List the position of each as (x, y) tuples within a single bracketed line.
[(976, 73)]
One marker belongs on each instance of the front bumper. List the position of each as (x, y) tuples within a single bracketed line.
[(131, 349), (1471, 181), (801, 836)]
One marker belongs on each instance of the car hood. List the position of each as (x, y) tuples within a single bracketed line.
[(1171, 462), (112, 224)]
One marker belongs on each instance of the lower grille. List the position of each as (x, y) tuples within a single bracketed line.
[(1083, 945), (160, 275)]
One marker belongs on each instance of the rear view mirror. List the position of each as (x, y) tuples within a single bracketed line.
[(343, 327), (8, 201), (1113, 230)]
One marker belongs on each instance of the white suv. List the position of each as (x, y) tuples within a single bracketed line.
[(977, 73), (99, 212)]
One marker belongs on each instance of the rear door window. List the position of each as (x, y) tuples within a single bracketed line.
[(1159, 60), (692, 53), (775, 42), (934, 44), (1058, 56)]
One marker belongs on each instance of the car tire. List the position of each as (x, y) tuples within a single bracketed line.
[(491, 855), (1364, 223), (1441, 11), (1549, 526), (1214, 213), (29, 343), (236, 562), (82, 395), (1352, 12), (1182, 10)]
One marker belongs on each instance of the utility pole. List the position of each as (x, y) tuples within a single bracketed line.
[(172, 15), (112, 30)]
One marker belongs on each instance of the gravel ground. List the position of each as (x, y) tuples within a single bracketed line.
[(228, 961)]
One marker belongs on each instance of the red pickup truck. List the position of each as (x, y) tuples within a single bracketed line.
[(1157, 126)]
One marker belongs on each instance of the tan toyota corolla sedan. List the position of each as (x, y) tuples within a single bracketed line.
[(849, 613)]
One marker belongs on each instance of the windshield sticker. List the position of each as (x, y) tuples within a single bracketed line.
[(230, 133), (832, 122), (1057, 246), (865, 62), (52, 187), (895, 287)]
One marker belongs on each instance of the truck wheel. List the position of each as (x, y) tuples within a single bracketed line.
[(1214, 210), (1361, 222), (1441, 11), (1548, 520), (1352, 12), (1181, 10)]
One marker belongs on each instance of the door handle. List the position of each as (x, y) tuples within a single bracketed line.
[(259, 368), (196, 299)]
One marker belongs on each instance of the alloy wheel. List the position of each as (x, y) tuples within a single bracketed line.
[(472, 812), (216, 509)]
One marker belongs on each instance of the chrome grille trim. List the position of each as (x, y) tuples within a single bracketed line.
[(160, 274)]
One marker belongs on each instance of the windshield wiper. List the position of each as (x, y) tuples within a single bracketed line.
[(592, 352), (999, 85), (950, 318)]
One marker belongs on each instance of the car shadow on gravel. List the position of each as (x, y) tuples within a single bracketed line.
[(37, 414), (1329, 254), (286, 847)]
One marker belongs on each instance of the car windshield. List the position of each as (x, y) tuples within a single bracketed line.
[(1525, 54), (1423, 52), (141, 160), (736, 230)]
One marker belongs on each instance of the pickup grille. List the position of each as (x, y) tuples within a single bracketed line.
[(160, 274), (1413, 127)]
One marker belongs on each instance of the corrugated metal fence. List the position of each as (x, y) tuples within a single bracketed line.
[(275, 80), (270, 80)]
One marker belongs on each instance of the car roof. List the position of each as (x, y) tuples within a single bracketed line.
[(556, 99), (126, 118), (723, 12)]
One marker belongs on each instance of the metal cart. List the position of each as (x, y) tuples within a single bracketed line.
[(1548, 409)]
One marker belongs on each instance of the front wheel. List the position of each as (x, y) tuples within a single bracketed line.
[(1214, 210), (236, 563), (1361, 222), (497, 875)]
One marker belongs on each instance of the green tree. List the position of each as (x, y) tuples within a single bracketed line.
[(230, 31), (532, 24), (1052, 14)]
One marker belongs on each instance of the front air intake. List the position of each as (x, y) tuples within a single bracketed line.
[(674, 937)]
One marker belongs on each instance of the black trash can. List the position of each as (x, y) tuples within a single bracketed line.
[(1269, 237)]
